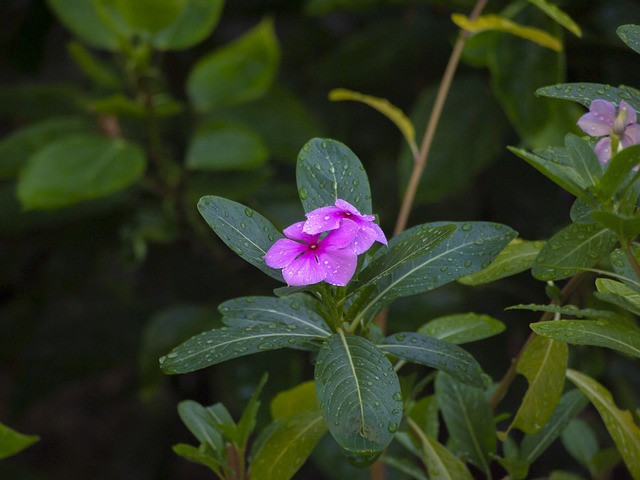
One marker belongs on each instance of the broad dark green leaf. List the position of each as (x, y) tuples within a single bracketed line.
[(12, 442), (434, 353), (622, 266), (619, 294), (245, 231), (137, 14), (581, 212), (601, 333), (328, 170), (220, 146), (359, 395), (412, 265), (630, 34), (425, 413), (239, 72), (196, 21), (618, 171), (585, 93), (569, 406), (581, 442), (543, 363), (462, 328), (572, 311), (296, 400), (77, 168), (288, 445), (219, 345), (469, 420), (84, 20), (203, 423), (17, 147), (620, 424), (571, 250), (294, 310)]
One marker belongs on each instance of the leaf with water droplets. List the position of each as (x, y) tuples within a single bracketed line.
[(249, 235), (469, 420), (359, 395), (616, 177), (585, 93), (571, 250), (222, 344), (623, 430), (622, 266), (462, 328), (619, 294), (328, 170), (434, 353), (601, 333), (441, 463), (543, 363), (630, 34)]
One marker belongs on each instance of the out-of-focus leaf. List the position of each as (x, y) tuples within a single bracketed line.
[(517, 257), (294, 401), (572, 249), (138, 14), (196, 21), (623, 430), (630, 34), (502, 24), (78, 168), (462, 328), (383, 106), (96, 69), (12, 442), (195, 455), (41, 101), (204, 424), (561, 475), (247, 422), (123, 106), (84, 20), (558, 16), (218, 146), (359, 395), (585, 93), (581, 442), (543, 363), (469, 420), (404, 465), (239, 72)]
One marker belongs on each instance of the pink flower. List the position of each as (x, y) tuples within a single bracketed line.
[(602, 121), (306, 259), (330, 218)]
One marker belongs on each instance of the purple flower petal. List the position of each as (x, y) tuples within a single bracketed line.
[(599, 120), (603, 150), (305, 270), (631, 135), (631, 113), (323, 219), (341, 237), (283, 252), (339, 265), (366, 236), (296, 232)]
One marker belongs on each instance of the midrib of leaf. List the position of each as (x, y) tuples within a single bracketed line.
[(343, 339), (295, 438), (409, 347), (434, 456), (580, 245), (242, 235), (332, 170), (615, 340), (300, 319)]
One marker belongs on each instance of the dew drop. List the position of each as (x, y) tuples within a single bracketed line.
[(248, 212)]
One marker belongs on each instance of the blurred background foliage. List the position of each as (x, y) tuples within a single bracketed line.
[(96, 283)]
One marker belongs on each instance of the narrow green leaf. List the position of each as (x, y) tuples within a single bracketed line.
[(462, 328), (196, 21), (618, 171), (501, 24), (297, 309), (434, 353), (359, 395), (84, 20), (568, 407), (585, 93), (247, 422), (296, 400), (553, 11), (12, 442), (77, 168), (601, 333), (442, 464), (96, 69), (630, 34), (137, 16), (288, 445), (572, 249), (623, 430), (624, 226), (404, 465), (196, 455), (245, 231), (469, 420), (619, 294), (622, 266), (219, 345), (424, 413), (328, 170), (236, 73), (584, 160), (572, 310), (517, 257), (219, 146), (203, 423), (383, 106), (562, 475), (581, 442), (543, 363)]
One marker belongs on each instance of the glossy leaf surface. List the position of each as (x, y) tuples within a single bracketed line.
[(585, 93), (462, 328)]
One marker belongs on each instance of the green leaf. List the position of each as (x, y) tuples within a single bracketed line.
[(570, 310), (96, 69), (296, 400), (17, 147), (543, 363), (328, 170), (383, 106), (581, 442), (585, 93), (196, 455), (442, 464), (204, 424), (123, 106), (196, 22), (622, 266), (584, 160), (236, 73), (404, 465), (359, 395), (247, 422), (618, 171), (619, 294), (406, 267), (288, 445), (469, 420), (77, 168), (219, 345), (245, 231), (297, 310), (434, 353), (218, 146), (553, 11), (517, 257), (568, 407), (571, 250), (12, 442), (84, 20), (462, 328), (630, 34), (624, 226), (137, 13), (424, 413), (501, 24), (623, 430), (561, 475), (601, 333), (581, 211), (27, 102)]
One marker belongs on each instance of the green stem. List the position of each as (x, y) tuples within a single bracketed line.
[(626, 248)]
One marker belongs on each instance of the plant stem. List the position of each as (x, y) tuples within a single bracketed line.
[(626, 248)]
